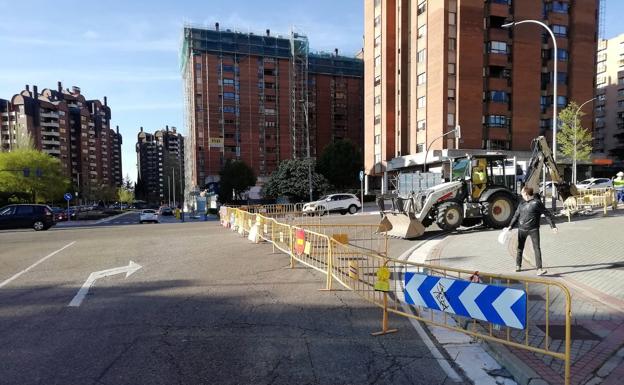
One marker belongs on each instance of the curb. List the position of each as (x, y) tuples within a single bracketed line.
[(520, 371)]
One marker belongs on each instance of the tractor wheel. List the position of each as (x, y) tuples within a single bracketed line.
[(450, 216), (498, 211)]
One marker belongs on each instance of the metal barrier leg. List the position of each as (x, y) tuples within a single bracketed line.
[(384, 321), (328, 282)]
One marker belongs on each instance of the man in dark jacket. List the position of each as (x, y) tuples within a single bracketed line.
[(528, 218)]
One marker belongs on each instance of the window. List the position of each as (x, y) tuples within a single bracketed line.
[(452, 18), (377, 21), (420, 147), (377, 119), (557, 7), (496, 121), (421, 102), (562, 77), (228, 68), (450, 119), (451, 68), (377, 60), (377, 158), (497, 47), (377, 80), (422, 31), (378, 41), (228, 82), (601, 80), (377, 139), (499, 96), (562, 101), (230, 109), (421, 125), (422, 8), (560, 30), (377, 3), (378, 99), (452, 44), (545, 124), (228, 95), (421, 79), (562, 54), (421, 56), (451, 94)]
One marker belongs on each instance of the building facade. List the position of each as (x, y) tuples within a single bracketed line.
[(433, 65), (255, 98), (609, 103), (160, 166), (63, 124)]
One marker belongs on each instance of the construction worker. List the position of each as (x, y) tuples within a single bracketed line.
[(528, 218), (618, 185)]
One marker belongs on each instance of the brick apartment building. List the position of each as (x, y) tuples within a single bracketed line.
[(63, 124), (247, 97), (609, 103), (160, 166), (432, 65)]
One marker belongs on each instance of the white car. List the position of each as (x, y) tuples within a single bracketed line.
[(594, 183), (342, 203), (148, 215)]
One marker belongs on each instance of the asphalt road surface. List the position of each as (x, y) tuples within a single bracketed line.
[(206, 307)]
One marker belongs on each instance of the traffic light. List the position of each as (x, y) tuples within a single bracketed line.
[(26, 171)]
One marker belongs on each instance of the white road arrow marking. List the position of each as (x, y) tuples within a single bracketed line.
[(503, 305), (129, 270)]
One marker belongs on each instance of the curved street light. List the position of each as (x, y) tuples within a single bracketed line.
[(555, 60), (456, 130), (575, 145)]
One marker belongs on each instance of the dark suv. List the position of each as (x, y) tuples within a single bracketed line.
[(38, 217)]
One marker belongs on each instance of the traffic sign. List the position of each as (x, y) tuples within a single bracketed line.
[(299, 241), (495, 304), (68, 196), (361, 176)]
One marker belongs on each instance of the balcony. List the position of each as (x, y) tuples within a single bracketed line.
[(50, 142), (50, 124), (49, 133)]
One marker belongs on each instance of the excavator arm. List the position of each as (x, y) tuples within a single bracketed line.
[(542, 156)]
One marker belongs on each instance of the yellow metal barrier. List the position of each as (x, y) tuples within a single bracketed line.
[(362, 236), (590, 198), (380, 280)]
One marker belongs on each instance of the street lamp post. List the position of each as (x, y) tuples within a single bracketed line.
[(305, 112), (554, 119), (575, 145), (455, 130)]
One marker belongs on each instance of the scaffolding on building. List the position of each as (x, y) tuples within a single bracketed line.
[(298, 79)]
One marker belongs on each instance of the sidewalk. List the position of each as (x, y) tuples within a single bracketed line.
[(586, 256)]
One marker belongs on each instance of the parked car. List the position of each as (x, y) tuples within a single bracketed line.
[(594, 183), (342, 203), (548, 191), (38, 217), (148, 215), (165, 211), (60, 214)]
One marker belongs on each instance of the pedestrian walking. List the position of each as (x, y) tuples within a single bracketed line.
[(528, 217), (618, 184)]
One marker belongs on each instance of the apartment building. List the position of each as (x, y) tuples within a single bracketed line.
[(63, 124), (257, 98), (433, 65), (160, 161), (609, 103)]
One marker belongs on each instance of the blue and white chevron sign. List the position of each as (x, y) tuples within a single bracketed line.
[(495, 304)]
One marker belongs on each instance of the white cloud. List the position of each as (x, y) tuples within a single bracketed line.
[(91, 35)]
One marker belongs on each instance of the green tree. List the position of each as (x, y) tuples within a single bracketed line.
[(291, 179), (341, 162), (236, 178), (573, 141), (124, 195), (44, 181)]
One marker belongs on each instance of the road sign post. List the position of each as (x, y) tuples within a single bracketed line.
[(68, 197), (362, 189)]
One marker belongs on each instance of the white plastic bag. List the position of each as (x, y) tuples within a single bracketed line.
[(504, 236)]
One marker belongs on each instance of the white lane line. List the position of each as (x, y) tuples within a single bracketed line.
[(6, 282)]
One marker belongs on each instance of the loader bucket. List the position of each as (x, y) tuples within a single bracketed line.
[(401, 226)]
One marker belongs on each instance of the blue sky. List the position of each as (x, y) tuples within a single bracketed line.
[(128, 50)]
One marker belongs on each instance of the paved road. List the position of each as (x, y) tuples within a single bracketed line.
[(205, 308)]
